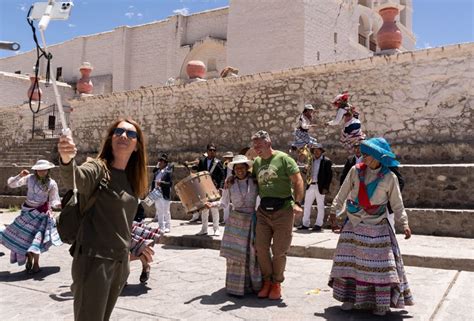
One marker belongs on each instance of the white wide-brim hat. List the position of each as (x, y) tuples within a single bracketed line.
[(240, 159), (86, 65), (42, 165)]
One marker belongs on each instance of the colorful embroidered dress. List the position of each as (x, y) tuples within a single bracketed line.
[(34, 230), (243, 273), (368, 268)]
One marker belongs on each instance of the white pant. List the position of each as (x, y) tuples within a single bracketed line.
[(311, 194), (163, 214), (205, 218)]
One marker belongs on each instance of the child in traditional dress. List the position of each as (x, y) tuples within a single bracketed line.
[(367, 271), (34, 231)]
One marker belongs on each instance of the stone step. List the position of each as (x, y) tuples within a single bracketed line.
[(419, 250), (434, 222)]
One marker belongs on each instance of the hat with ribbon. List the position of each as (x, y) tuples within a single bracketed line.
[(240, 159), (380, 150), (42, 165)]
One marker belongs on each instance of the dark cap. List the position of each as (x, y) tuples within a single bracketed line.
[(163, 157), (211, 146), (261, 134)]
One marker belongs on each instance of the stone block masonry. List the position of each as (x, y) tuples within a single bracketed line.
[(420, 101)]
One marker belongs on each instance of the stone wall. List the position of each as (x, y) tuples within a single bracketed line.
[(420, 101), (425, 186)]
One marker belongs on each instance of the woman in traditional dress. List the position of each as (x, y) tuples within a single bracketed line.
[(367, 271), (243, 273), (34, 231), (351, 133), (302, 137)]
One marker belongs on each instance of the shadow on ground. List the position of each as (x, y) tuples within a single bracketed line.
[(6, 276), (235, 302), (335, 313)]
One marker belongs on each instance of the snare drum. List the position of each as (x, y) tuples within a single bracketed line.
[(153, 196), (196, 190)]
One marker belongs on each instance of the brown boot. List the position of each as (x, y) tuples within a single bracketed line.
[(275, 292), (263, 293)]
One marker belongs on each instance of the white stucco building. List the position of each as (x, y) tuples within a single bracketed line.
[(253, 36)]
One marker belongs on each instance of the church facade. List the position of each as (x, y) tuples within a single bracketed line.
[(253, 36)]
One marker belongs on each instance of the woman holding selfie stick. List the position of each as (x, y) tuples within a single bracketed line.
[(101, 250)]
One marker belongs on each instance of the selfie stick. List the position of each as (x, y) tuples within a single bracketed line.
[(43, 24)]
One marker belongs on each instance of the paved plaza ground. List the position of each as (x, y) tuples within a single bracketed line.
[(188, 284)]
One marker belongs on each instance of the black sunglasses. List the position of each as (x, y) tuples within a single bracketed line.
[(130, 133)]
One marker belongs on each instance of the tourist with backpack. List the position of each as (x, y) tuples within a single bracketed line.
[(116, 178), (34, 230)]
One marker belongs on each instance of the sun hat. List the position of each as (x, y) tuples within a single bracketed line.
[(86, 65), (308, 107), (42, 165), (379, 149), (316, 145), (228, 155), (240, 159)]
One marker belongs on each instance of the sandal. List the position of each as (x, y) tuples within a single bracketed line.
[(144, 276)]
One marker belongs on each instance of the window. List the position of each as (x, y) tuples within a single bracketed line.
[(18, 72), (59, 73)]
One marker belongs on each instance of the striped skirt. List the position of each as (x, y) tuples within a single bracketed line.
[(303, 138), (32, 231), (243, 273), (143, 236), (368, 268)]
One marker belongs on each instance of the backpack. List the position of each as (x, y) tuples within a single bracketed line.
[(71, 216)]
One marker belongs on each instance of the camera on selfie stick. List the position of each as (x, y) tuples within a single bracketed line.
[(45, 12)]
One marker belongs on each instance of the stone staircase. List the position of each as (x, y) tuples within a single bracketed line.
[(27, 154)]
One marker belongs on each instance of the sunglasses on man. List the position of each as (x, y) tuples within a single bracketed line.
[(130, 133)]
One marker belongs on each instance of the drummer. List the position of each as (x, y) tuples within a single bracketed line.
[(214, 166)]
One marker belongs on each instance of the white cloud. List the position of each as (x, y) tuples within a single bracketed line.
[(140, 15), (129, 15), (23, 7), (71, 25), (131, 7), (182, 11), (427, 45)]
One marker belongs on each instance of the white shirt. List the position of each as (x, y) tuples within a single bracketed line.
[(37, 194), (315, 170)]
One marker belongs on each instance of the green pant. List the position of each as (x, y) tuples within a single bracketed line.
[(96, 285)]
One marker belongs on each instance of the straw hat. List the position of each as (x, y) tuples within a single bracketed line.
[(86, 65), (240, 159), (42, 165)]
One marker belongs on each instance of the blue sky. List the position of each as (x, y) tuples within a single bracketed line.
[(435, 22)]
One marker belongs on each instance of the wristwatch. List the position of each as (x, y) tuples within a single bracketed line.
[(298, 203)]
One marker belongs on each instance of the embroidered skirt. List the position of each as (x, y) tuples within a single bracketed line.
[(243, 273), (32, 231), (368, 268), (143, 236), (303, 138)]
